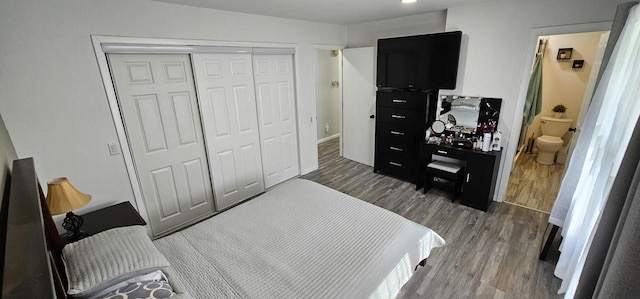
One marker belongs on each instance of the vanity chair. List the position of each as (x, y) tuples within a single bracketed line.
[(441, 170)]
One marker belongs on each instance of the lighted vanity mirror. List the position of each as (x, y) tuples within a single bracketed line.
[(463, 114)]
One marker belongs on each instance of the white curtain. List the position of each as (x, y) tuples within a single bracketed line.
[(605, 142)]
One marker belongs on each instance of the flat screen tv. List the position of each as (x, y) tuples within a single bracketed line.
[(419, 62)]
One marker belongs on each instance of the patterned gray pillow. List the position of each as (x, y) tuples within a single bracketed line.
[(147, 289)]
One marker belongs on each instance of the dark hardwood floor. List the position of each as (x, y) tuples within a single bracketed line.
[(488, 255)]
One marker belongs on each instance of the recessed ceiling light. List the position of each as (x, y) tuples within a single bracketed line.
[(408, 1)]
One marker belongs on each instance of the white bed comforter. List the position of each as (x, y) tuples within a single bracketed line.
[(299, 240)]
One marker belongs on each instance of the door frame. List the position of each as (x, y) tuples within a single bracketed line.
[(516, 125), (110, 91), (313, 92)]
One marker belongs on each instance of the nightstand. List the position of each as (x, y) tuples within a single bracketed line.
[(118, 215)]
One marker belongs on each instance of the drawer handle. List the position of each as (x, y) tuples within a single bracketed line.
[(442, 152), (396, 148), (395, 164), (397, 133), (399, 101), (398, 116), (468, 176)]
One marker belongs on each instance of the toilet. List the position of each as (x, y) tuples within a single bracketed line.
[(550, 142)]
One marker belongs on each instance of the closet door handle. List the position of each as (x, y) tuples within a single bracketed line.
[(396, 149), (399, 101), (397, 133), (395, 164), (442, 152), (398, 116), (468, 176)]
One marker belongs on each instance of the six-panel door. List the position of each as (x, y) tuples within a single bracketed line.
[(276, 115), (159, 108), (228, 107)]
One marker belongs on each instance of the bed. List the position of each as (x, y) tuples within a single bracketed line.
[(298, 240)]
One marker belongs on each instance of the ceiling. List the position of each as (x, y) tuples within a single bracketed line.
[(343, 12)]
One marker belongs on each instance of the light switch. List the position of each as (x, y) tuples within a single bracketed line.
[(114, 148)]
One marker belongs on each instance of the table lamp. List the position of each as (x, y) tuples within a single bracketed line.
[(62, 197)]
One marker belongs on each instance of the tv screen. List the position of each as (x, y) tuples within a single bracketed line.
[(419, 62)]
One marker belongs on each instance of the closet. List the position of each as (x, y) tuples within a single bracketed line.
[(206, 128)]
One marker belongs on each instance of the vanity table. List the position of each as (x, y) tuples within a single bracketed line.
[(481, 172)]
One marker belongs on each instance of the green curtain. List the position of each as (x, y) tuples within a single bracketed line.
[(533, 103)]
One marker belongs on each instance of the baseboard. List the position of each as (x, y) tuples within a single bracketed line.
[(308, 170), (530, 208), (328, 138), (513, 166)]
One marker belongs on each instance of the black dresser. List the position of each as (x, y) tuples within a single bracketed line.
[(401, 122)]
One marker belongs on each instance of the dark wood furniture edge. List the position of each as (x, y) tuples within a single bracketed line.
[(117, 215), (548, 241), (31, 240), (422, 263)]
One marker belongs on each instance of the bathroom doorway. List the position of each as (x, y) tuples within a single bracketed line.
[(327, 73), (569, 67)]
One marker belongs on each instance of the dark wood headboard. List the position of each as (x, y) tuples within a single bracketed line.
[(32, 246)]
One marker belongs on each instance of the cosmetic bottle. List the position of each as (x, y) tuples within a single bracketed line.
[(495, 143), (486, 142)]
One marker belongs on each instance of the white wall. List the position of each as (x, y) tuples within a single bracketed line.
[(52, 97), (493, 56), (326, 69), (561, 84), (367, 34)]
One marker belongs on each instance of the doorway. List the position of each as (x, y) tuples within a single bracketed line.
[(570, 64), (327, 72)]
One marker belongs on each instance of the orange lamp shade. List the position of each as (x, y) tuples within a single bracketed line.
[(62, 197)]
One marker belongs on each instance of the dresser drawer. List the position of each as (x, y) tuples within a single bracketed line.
[(401, 117), (396, 133), (396, 144), (402, 100), (395, 165), (392, 148)]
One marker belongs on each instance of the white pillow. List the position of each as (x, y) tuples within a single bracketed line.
[(108, 258)]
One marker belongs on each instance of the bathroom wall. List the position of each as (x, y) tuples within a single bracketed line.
[(561, 84), (326, 69)]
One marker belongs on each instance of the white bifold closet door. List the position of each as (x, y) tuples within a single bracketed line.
[(228, 108), (276, 115), (159, 107)]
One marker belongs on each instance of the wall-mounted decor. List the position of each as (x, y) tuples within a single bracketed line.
[(564, 53), (578, 64)]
